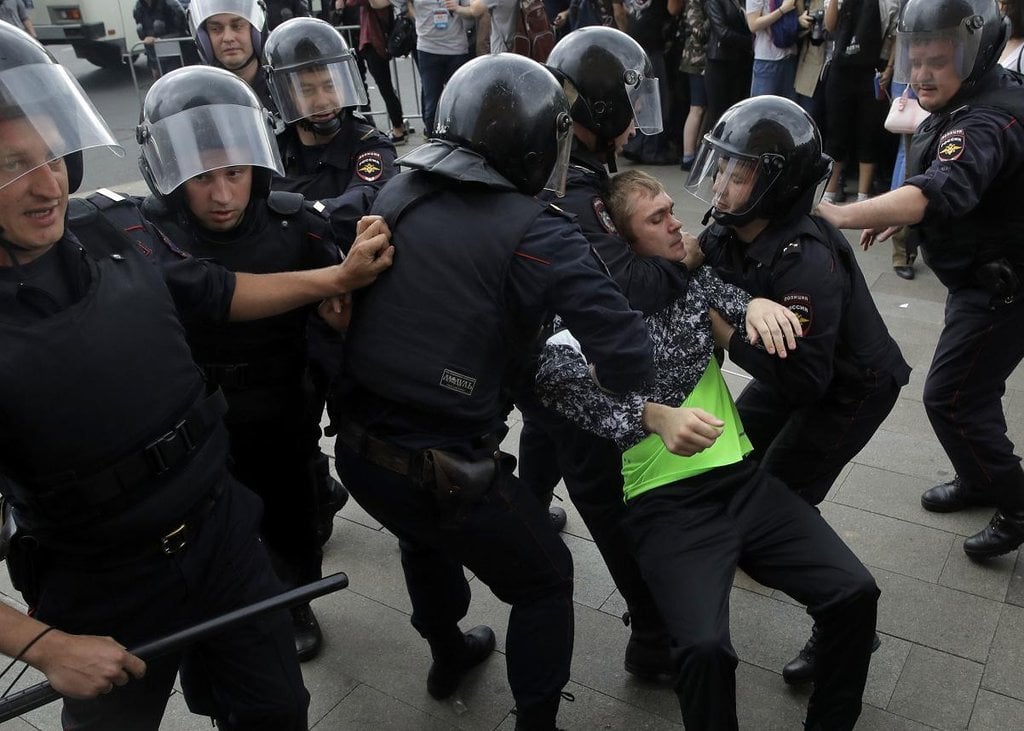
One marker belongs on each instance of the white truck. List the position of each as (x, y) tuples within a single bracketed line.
[(100, 31)]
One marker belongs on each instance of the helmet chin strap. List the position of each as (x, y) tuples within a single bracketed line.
[(323, 129), (610, 157)]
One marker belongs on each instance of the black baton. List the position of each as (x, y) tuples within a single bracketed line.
[(40, 694)]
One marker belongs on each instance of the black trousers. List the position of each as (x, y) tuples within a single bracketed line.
[(380, 70), (247, 678), (807, 448), (727, 82), (691, 535), (505, 538), (551, 448), (979, 347)]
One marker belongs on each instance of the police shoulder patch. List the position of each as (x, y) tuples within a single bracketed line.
[(800, 305), (952, 145), (369, 166), (603, 217)]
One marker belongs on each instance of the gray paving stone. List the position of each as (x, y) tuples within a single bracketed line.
[(1004, 672), (936, 616), (594, 710), (908, 455), (897, 495), (1015, 591), (994, 712), (883, 542), (989, 579), (937, 688), (366, 708), (875, 719), (763, 701), (887, 663), (371, 560), (765, 632), (592, 583)]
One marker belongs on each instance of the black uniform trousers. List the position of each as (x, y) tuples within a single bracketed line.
[(505, 538), (690, 536), (979, 347), (806, 448), (551, 447), (273, 457), (246, 678)]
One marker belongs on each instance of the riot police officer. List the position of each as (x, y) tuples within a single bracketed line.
[(330, 155), (606, 75), (229, 34), (809, 414), (215, 202), (965, 169), (435, 354), (113, 451)]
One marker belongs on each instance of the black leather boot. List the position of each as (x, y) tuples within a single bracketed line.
[(952, 496), (800, 669), (1004, 533), (452, 663), (308, 637), (331, 499)]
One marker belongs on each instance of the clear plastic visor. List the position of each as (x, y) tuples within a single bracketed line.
[(207, 138), (199, 11), (559, 174), (306, 91), (934, 57), (727, 182), (45, 115), (646, 102)]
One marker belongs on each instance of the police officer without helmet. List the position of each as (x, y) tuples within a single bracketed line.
[(607, 78), (214, 201), (761, 169), (962, 191), (435, 354), (113, 452)]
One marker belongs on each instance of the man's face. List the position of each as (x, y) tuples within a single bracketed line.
[(218, 198), (733, 184), (32, 206), (317, 96), (652, 228), (231, 40), (934, 75)]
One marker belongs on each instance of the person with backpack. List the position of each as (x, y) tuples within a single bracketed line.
[(775, 27)]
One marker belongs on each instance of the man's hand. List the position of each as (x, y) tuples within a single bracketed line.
[(685, 431), (694, 255), (84, 666), (371, 254), (336, 312), (776, 326), (149, 40), (869, 236)]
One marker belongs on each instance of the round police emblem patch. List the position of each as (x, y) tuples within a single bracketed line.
[(951, 145), (603, 217), (369, 166), (800, 305)]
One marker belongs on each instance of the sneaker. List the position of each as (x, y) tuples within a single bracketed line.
[(861, 197)]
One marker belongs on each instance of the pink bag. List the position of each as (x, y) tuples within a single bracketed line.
[(905, 114)]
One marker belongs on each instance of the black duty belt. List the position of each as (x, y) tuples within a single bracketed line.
[(68, 493), (405, 462)]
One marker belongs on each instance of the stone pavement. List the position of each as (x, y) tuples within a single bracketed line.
[(952, 654)]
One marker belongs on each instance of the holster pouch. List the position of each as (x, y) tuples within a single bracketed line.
[(999, 278), (457, 477)]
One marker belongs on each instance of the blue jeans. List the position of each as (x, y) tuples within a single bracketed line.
[(774, 77), (435, 70)]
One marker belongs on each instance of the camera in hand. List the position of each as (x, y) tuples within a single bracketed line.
[(818, 27)]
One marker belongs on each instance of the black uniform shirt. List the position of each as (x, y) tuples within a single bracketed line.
[(649, 283)]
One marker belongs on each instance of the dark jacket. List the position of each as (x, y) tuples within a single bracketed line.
[(729, 37)]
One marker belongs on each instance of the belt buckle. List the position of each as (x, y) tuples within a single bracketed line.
[(160, 449), (175, 540)]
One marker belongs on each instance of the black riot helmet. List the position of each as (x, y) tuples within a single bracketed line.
[(312, 73), (511, 111), (762, 160), (54, 108), (254, 12), (611, 82), (973, 31), (200, 118)]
